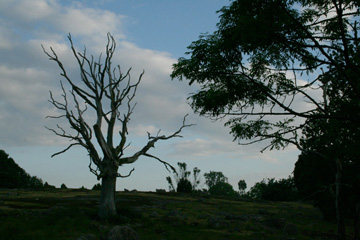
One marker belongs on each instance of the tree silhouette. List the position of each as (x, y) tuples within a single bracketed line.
[(106, 93), (273, 74)]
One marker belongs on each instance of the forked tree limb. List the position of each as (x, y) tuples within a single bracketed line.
[(104, 89)]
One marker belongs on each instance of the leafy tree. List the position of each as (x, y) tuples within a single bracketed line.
[(63, 186), (197, 178), (274, 74), (327, 170), (182, 179), (242, 187), (171, 184), (223, 189), (35, 182), (332, 146), (212, 178), (184, 186), (106, 93), (13, 176), (275, 190), (315, 181)]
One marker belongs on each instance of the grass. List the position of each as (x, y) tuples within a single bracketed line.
[(66, 214)]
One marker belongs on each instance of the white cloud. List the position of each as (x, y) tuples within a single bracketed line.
[(23, 11), (205, 148), (23, 88), (88, 22)]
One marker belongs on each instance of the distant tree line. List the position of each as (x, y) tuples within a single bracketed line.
[(13, 176), (313, 182), (218, 185)]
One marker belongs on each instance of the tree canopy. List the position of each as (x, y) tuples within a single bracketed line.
[(13, 176), (270, 72), (292, 77)]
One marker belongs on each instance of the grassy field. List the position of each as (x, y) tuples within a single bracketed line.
[(66, 214)]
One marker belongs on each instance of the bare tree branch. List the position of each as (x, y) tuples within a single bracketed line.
[(104, 90), (151, 144)]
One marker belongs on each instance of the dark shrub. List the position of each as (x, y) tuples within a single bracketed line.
[(184, 186), (13, 176), (275, 190), (48, 186), (97, 187), (223, 189)]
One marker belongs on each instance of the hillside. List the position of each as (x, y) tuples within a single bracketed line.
[(66, 214)]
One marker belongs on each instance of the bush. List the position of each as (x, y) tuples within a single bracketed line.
[(63, 186), (315, 180), (182, 179), (212, 178), (97, 187), (242, 187), (184, 186), (48, 186), (223, 189), (275, 190)]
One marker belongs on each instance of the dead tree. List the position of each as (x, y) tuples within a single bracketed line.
[(107, 93)]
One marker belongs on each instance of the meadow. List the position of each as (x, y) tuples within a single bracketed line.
[(68, 213)]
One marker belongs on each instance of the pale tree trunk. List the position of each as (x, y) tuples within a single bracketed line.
[(104, 89), (107, 207)]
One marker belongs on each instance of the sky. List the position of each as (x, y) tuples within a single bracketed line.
[(150, 36)]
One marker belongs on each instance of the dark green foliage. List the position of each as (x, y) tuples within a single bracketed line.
[(223, 189), (63, 186), (171, 185), (242, 187), (13, 176), (196, 177), (97, 187), (212, 178), (182, 179), (275, 190), (314, 177), (218, 184), (244, 67), (48, 186), (315, 180), (184, 186), (273, 64)]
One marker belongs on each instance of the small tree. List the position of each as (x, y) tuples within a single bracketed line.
[(212, 178), (242, 187), (183, 184), (197, 178), (171, 184), (275, 190), (223, 189), (63, 186), (109, 94)]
